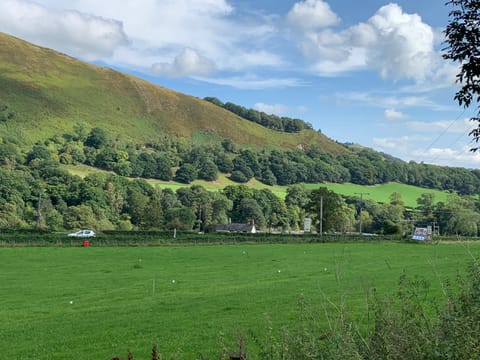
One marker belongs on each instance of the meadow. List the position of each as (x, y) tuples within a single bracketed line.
[(379, 193), (100, 302)]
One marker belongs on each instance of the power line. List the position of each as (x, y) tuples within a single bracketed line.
[(444, 131)]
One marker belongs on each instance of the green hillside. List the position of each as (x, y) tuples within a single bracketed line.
[(49, 92), (46, 93), (57, 112)]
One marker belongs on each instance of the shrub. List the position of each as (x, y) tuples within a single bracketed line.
[(239, 177), (459, 325), (186, 173)]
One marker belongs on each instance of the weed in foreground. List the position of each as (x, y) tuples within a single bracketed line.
[(409, 325)]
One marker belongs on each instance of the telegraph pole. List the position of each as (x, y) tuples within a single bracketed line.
[(321, 215), (361, 207)]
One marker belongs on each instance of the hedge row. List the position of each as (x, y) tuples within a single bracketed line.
[(157, 238)]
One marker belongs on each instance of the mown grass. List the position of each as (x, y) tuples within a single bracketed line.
[(382, 192), (94, 303)]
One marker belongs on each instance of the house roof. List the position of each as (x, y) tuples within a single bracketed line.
[(235, 227)]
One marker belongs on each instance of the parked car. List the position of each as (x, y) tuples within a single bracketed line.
[(83, 234)]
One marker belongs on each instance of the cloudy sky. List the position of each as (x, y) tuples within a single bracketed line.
[(368, 72)]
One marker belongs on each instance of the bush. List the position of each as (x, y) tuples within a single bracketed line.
[(239, 177), (403, 329), (186, 174), (459, 325)]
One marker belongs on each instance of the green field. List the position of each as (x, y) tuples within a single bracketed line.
[(380, 193), (99, 302)]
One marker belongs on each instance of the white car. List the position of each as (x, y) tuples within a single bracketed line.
[(83, 234)]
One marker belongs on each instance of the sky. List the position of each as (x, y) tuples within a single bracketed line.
[(366, 72)]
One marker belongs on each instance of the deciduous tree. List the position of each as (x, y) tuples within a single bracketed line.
[(463, 46), (97, 138)]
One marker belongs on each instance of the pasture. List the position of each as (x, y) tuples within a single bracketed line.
[(100, 302), (379, 193)]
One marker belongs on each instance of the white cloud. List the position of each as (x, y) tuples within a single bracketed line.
[(405, 44), (312, 14), (390, 101), (161, 30), (397, 44), (332, 60), (443, 76), (253, 58), (137, 35), (225, 38), (189, 62), (447, 156), (394, 114), (451, 126), (277, 109), (87, 36), (439, 142), (402, 143), (252, 82), (418, 148)]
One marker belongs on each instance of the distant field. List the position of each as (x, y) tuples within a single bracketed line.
[(379, 193), (96, 303)]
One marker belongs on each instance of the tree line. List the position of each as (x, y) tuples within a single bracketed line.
[(171, 158), (36, 191), (270, 121)]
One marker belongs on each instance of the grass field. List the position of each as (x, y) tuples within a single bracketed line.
[(382, 192), (379, 193), (96, 303)]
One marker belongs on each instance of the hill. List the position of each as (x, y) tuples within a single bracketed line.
[(57, 111), (47, 93)]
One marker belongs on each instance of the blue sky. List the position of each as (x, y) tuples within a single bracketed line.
[(367, 72)]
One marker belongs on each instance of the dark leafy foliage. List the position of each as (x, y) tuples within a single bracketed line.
[(270, 121), (106, 201), (97, 138), (186, 173), (463, 46)]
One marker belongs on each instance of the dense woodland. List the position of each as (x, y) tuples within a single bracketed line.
[(313, 165), (173, 158), (37, 191)]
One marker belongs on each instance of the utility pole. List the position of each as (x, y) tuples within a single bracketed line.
[(39, 210), (361, 207), (321, 215)]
